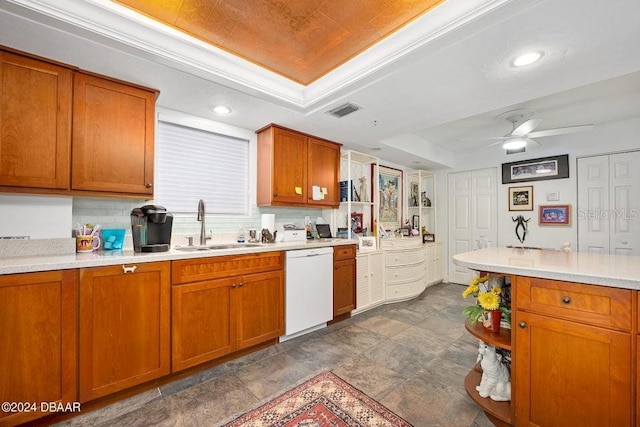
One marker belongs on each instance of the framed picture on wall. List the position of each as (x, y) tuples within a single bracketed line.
[(521, 198), (554, 167), (390, 189), (554, 215)]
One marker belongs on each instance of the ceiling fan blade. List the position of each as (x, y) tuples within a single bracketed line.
[(560, 131), (488, 138), (526, 127)]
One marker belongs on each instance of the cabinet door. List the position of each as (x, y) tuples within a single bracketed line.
[(324, 172), (35, 123), (113, 136), (282, 167), (344, 286), (570, 374), (38, 320), (202, 326), (259, 299), (376, 278), (124, 327)]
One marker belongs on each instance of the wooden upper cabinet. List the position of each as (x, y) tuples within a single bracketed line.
[(35, 123), (38, 324), (113, 136), (291, 163), (323, 160)]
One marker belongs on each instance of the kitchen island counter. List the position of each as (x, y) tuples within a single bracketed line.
[(617, 271)]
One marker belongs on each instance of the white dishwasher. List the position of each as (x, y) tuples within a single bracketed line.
[(308, 290)]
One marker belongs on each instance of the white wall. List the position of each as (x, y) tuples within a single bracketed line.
[(612, 137), (39, 217)]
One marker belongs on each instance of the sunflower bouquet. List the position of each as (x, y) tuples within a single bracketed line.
[(488, 298)]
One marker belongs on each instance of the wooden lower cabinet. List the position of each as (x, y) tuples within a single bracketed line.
[(573, 354), (38, 323), (213, 318), (123, 326), (571, 374), (344, 279)]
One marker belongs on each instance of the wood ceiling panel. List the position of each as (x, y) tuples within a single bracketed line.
[(301, 40)]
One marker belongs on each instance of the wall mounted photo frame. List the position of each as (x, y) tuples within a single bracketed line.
[(390, 197), (521, 198), (544, 168), (554, 215), (367, 244)]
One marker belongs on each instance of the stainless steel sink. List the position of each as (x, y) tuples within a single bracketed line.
[(216, 247)]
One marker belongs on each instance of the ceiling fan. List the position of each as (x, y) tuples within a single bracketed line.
[(522, 133)]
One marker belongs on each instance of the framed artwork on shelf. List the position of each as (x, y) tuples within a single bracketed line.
[(521, 198), (554, 215), (554, 167), (356, 222), (366, 244), (413, 195), (415, 222), (428, 237), (390, 189)]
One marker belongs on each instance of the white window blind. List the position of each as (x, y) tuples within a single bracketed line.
[(194, 164)]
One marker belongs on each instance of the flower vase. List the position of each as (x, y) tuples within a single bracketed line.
[(492, 321)]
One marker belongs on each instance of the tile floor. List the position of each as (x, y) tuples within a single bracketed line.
[(411, 356)]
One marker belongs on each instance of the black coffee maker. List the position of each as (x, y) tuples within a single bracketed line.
[(151, 228)]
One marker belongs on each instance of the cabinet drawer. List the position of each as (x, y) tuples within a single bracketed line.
[(344, 252), (597, 305), (404, 274), (195, 270), (405, 257)]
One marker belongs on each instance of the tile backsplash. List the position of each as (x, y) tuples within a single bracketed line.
[(115, 213)]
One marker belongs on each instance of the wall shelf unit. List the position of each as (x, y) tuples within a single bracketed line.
[(358, 208), (421, 200)]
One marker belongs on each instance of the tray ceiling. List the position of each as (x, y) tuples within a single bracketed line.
[(301, 40)]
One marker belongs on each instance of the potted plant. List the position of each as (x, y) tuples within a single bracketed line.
[(488, 300)]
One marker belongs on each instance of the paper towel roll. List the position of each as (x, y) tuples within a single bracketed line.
[(269, 222)]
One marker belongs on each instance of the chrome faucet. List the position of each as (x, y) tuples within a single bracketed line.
[(203, 235)]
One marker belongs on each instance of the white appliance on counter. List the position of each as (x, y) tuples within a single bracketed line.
[(308, 290)]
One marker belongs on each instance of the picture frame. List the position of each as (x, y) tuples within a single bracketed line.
[(428, 237), (413, 195), (390, 197), (357, 222), (521, 198), (543, 168), (367, 244), (415, 222), (554, 215)]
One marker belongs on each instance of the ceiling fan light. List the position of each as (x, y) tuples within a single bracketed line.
[(527, 59), (514, 143)]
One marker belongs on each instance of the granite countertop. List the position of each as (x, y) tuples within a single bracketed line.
[(617, 271), (26, 264)]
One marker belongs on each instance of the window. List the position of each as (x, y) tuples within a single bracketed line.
[(194, 164)]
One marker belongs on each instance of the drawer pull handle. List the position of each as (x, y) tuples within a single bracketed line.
[(233, 285), (522, 325), (241, 284), (131, 269), (566, 300)]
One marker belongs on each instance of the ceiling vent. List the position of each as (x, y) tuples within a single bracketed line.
[(344, 110)]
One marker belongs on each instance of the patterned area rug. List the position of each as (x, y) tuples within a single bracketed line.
[(323, 401)]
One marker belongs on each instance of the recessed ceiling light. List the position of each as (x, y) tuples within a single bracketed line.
[(221, 109), (514, 143), (527, 58)]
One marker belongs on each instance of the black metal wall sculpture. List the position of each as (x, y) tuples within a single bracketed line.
[(521, 224)]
